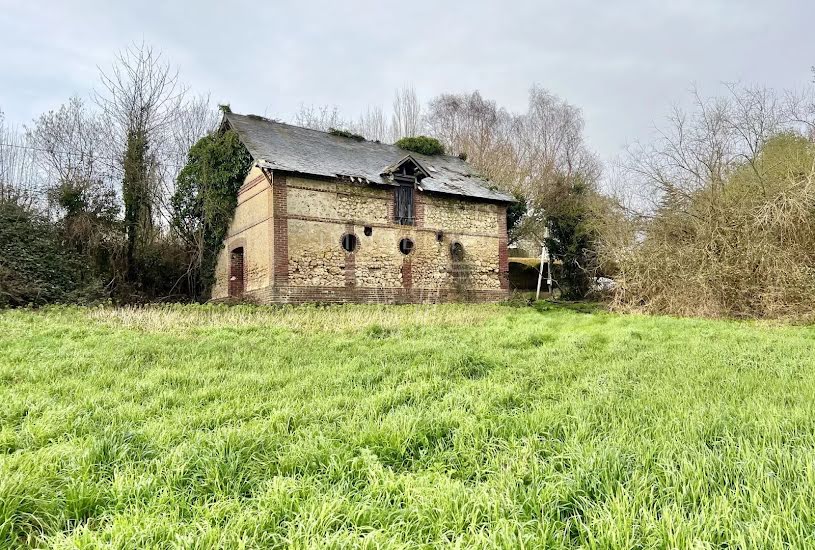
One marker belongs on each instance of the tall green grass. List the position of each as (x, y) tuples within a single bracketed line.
[(363, 426)]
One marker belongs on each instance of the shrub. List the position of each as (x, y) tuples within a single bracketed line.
[(421, 144), (35, 265), (742, 247)]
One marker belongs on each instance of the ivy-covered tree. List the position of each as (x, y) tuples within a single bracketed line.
[(565, 217), (205, 200), (137, 198), (515, 214), (572, 236)]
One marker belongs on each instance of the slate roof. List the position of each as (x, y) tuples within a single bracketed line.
[(294, 149)]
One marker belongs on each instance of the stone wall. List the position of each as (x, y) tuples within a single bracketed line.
[(460, 215), (312, 215)]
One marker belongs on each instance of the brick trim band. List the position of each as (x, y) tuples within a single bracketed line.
[(280, 246), (357, 294), (389, 226)]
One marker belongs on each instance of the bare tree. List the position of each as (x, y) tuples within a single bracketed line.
[(70, 144), (478, 129), (549, 142), (406, 120), (19, 178), (524, 152), (799, 106), (321, 118), (373, 125), (140, 102), (700, 149)]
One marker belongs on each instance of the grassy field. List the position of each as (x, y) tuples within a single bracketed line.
[(475, 426)]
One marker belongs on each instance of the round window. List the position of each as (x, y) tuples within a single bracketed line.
[(349, 242), (457, 251), (406, 246)]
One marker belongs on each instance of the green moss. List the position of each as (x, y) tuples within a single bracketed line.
[(421, 144), (345, 134)]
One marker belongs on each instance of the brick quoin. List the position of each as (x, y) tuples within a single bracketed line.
[(418, 209), (280, 246), (407, 274), (503, 253)]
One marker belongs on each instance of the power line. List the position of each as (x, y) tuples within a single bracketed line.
[(54, 152)]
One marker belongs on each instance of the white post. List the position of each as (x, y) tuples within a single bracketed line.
[(540, 274)]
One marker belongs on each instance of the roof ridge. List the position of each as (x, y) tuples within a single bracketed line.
[(375, 142), (304, 150)]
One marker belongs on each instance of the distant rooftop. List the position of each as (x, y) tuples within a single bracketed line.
[(280, 146)]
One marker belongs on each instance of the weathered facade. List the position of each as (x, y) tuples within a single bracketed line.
[(307, 234)]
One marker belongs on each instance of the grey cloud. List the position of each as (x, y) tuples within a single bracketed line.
[(623, 62)]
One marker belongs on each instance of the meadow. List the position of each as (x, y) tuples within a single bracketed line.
[(473, 426)]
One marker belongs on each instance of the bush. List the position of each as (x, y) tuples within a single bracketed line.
[(421, 144), (743, 247), (36, 267)]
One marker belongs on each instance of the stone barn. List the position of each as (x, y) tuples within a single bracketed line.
[(327, 218)]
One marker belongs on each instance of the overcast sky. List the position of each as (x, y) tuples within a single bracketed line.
[(624, 62)]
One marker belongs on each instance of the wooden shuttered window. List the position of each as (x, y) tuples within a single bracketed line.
[(404, 204)]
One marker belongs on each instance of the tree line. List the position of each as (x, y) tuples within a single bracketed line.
[(93, 182), (126, 196)]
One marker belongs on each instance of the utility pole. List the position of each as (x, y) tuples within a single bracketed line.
[(540, 275)]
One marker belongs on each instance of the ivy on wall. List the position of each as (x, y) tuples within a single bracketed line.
[(205, 200)]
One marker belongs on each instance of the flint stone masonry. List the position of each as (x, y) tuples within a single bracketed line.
[(459, 215), (309, 231)]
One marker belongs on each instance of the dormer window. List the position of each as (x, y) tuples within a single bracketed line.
[(406, 174)]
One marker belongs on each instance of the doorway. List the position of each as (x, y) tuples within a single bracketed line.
[(236, 275)]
